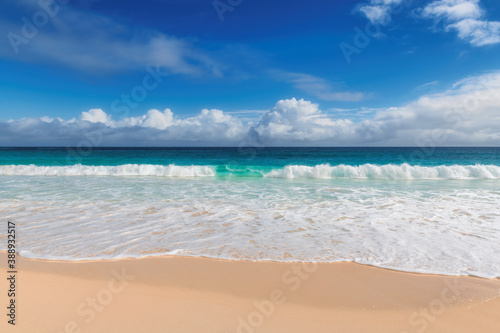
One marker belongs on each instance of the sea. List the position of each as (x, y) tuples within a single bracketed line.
[(422, 209)]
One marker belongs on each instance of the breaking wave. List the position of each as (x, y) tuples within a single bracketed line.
[(388, 171), (322, 171), (172, 170)]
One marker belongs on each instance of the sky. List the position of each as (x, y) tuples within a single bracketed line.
[(240, 72)]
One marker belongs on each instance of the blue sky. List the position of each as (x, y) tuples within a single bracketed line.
[(70, 63)]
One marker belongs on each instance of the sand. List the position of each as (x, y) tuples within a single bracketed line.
[(188, 294)]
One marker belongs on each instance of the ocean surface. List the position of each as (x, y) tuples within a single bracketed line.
[(410, 209)]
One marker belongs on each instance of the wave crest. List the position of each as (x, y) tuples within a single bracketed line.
[(322, 171), (387, 171), (171, 170)]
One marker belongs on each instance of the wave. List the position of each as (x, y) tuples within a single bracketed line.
[(388, 171), (322, 171), (171, 170)]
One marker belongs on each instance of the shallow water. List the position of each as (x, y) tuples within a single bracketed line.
[(433, 216)]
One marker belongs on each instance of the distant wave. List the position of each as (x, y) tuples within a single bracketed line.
[(172, 170), (322, 171)]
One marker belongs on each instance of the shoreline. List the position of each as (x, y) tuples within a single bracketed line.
[(196, 294), (76, 261)]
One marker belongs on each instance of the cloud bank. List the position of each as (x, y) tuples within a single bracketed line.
[(467, 114)]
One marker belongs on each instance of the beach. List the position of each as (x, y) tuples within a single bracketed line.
[(194, 294), (233, 166)]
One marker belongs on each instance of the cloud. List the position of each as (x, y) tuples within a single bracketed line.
[(478, 33), (94, 43), (298, 121), (317, 87), (425, 86), (467, 114), (379, 11), (466, 17), (209, 127), (152, 119), (454, 9), (96, 116)]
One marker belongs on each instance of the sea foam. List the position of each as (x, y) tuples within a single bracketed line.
[(431, 226), (322, 171), (171, 170), (388, 171)]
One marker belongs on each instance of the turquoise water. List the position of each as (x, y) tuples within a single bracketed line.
[(410, 209), (250, 156)]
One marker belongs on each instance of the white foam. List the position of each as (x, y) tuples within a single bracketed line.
[(450, 227), (119, 170), (323, 171), (388, 171)]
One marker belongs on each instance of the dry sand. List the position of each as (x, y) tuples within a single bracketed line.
[(187, 294)]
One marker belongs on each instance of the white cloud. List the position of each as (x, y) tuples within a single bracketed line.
[(454, 9), (96, 116), (298, 121), (467, 114), (478, 33), (152, 119), (317, 87), (94, 43), (379, 11), (466, 17)]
